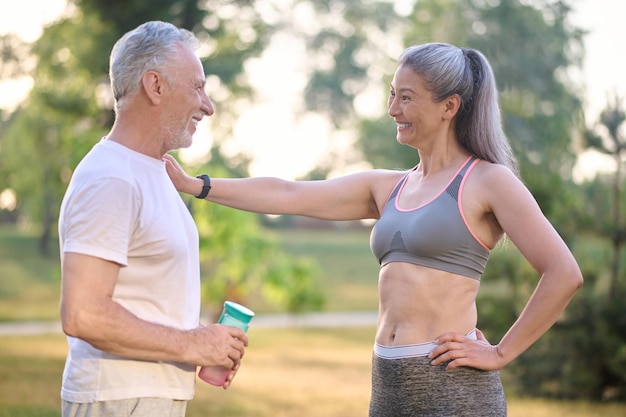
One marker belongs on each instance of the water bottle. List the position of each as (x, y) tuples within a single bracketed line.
[(235, 315)]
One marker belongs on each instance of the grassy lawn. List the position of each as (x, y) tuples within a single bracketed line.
[(286, 373)]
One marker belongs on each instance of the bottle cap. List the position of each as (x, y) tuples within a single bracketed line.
[(239, 312)]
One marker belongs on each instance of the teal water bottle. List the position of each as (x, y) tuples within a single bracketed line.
[(234, 315)]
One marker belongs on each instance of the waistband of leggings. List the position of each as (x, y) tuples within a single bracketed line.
[(409, 351)]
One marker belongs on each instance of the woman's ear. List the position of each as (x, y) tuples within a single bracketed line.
[(452, 105)]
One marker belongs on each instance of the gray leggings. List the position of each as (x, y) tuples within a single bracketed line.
[(412, 387), (135, 407)]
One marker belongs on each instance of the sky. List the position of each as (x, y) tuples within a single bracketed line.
[(283, 145)]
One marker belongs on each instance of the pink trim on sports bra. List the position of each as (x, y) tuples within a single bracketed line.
[(460, 199)]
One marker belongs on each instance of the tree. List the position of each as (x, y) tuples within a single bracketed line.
[(70, 108), (45, 137), (70, 101), (613, 143), (541, 109)]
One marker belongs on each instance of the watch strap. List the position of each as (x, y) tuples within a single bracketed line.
[(206, 187)]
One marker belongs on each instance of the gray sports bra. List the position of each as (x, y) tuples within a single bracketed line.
[(435, 235)]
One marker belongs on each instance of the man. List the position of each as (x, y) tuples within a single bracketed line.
[(130, 301)]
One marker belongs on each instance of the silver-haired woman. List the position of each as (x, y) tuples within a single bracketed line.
[(436, 225)]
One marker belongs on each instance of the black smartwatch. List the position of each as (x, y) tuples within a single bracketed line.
[(206, 187)]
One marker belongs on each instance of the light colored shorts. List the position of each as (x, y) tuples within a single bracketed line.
[(133, 407)]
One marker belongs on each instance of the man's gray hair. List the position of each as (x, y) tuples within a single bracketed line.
[(150, 46)]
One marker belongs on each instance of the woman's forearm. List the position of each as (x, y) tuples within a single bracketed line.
[(266, 195), (544, 308)]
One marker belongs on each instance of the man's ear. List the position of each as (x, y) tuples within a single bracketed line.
[(152, 84), (452, 105)]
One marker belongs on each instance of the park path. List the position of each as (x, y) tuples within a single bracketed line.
[(319, 319)]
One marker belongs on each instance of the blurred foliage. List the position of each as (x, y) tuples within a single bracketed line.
[(238, 258), (608, 137), (583, 356), (70, 108)]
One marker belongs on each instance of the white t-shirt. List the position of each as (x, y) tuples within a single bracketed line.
[(121, 206)]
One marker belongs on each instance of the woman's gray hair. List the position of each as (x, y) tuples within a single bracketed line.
[(448, 70), (150, 46)]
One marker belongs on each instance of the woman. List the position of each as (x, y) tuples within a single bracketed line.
[(436, 226)]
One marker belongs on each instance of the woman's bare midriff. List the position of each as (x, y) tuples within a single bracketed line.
[(419, 304)]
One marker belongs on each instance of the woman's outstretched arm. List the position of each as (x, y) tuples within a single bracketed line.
[(350, 197)]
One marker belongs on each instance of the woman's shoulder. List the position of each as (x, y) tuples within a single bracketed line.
[(493, 171), (496, 179)]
